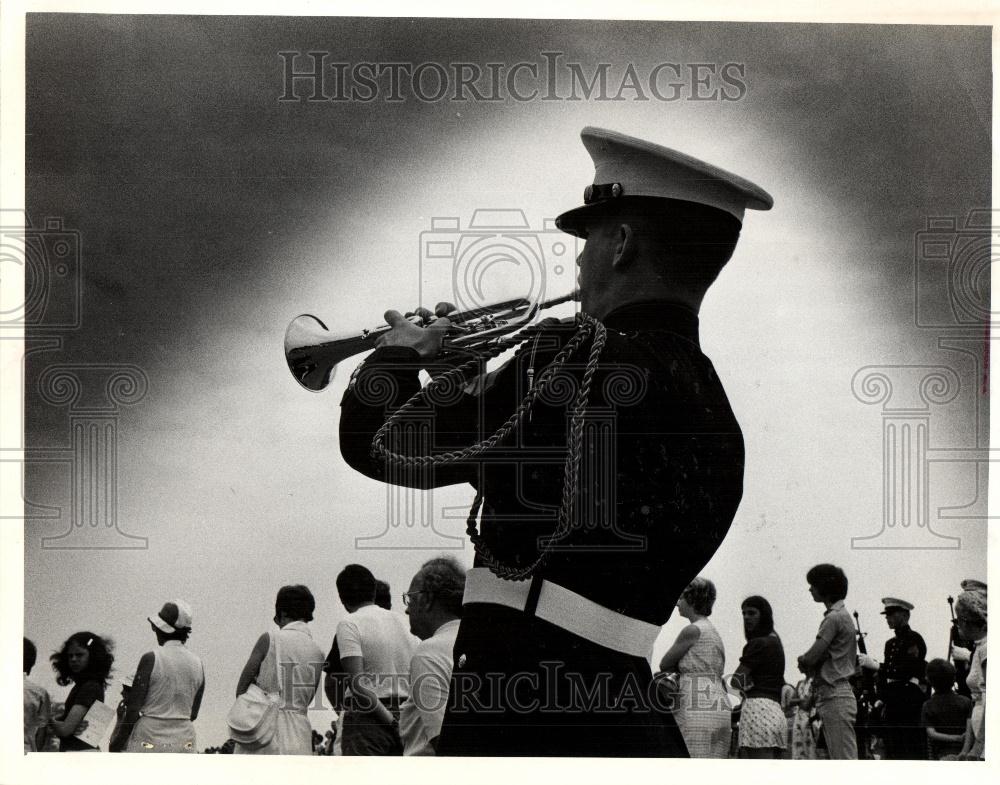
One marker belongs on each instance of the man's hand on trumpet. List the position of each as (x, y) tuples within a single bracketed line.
[(420, 329)]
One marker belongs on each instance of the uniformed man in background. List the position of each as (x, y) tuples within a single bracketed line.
[(901, 684)]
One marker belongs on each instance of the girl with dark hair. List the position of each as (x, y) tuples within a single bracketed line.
[(167, 689), (292, 651), (701, 705), (760, 677), (84, 661)]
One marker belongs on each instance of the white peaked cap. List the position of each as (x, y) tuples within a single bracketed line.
[(626, 166)]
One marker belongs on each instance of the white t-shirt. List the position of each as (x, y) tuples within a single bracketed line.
[(430, 674), (37, 712), (383, 641)]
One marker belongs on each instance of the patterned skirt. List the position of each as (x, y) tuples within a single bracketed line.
[(763, 724)]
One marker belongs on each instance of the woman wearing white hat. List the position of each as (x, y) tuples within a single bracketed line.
[(167, 688)]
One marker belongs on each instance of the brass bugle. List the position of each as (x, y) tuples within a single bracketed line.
[(313, 352)]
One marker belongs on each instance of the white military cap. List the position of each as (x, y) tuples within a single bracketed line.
[(626, 166), (891, 603)]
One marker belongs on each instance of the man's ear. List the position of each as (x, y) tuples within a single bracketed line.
[(625, 249)]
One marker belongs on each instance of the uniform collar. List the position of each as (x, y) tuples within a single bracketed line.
[(900, 631), (655, 315)]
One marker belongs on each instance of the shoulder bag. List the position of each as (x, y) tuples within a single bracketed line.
[(253, 719)]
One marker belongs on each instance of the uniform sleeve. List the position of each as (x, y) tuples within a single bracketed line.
[(916, 658), (382, 384), (881, 680), (348, 639)]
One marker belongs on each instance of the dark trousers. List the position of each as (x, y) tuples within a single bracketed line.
[(524, 687), (365, 734), (902, 733)]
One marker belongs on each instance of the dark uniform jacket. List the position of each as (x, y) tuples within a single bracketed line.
[(661, 479), (904, 665), (905, 657)]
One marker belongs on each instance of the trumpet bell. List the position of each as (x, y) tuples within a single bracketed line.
[(313, 352)]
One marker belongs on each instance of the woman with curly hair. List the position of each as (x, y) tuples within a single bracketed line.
[(701, 705), (84, 661), (760, 677)]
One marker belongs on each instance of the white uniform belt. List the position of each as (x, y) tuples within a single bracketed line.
[(912, 680), (565, 609)]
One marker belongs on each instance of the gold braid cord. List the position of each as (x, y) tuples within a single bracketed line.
[(586, 326)]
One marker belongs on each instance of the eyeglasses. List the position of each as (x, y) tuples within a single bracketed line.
[(407, 595)]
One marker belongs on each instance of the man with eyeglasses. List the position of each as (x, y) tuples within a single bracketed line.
[(434, 605)]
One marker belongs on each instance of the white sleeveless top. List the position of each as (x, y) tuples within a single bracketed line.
[(301, 662), (176, 678)]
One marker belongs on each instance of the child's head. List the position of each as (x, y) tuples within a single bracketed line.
[(941, 675), (83, 656)]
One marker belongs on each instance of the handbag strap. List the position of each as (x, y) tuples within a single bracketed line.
[(277, 658)]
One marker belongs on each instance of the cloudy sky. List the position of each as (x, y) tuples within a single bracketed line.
[(208, 213)]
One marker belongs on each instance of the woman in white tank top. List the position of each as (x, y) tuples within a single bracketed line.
[(301, 663), (166, 691)]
